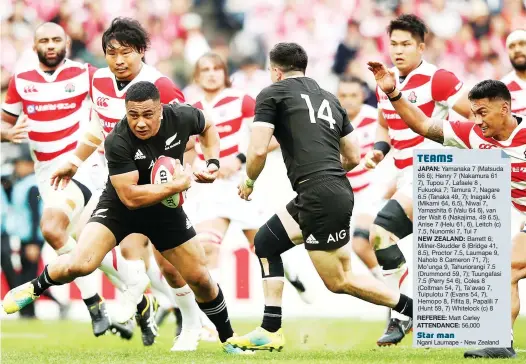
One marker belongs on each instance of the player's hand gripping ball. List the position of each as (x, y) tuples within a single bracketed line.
[(162, 172)]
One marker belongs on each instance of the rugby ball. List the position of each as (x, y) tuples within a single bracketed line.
[(162, 172)]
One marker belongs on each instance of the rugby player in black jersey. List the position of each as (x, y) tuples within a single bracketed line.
[(314, 133), (131, 204)]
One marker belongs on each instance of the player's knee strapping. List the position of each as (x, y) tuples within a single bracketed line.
[(270, 242), (361, 233), (392, 219)]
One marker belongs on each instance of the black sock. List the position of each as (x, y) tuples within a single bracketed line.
[(218, 314), (43, 282), (272, 318), (92, 300), (141, 306), (404, 306)]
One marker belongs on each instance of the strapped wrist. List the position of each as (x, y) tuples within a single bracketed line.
[(212, 161), (249, 182), (76, 161), (242, 158), (382, 146)]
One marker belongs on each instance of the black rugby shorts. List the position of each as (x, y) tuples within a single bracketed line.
[(323, 209)]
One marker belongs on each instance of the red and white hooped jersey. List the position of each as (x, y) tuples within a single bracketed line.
[(53, 105), (364, 125), (228, 111), (108, 100), (466, 135), (434, 91), (517, 89)]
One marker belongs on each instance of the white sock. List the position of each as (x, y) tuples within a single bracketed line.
[(185, 300), (512, 335), (377, 273), (159, 284), (133, 274), (392, 278), (88, 284), (110, 264)]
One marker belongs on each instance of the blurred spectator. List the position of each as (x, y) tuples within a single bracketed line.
[(6, 252), (23, 220), (250, 77), (441, 19), (348, 48)]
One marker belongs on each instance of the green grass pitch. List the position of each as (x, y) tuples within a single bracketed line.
[(308, 341)]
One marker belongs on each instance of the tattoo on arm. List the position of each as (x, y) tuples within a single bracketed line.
[(435, 131)]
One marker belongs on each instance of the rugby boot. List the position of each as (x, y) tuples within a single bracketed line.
[(100, 320), (19, 297), (146, 321), (259, 339), (395, 332)]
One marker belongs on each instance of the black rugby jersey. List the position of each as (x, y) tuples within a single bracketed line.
[(308, 123)]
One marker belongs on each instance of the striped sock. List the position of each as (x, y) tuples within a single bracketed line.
[(217, 312), (43, 282), (272, 318)]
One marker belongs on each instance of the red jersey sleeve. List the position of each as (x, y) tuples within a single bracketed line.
[(13, 102), (170, 93), (248, 107), (444, 86), (456, 133)]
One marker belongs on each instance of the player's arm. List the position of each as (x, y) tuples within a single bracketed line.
[(261, 134), (349, 145), (125, 178), (448, 89), (10, 130), (89, 142), (350, 151), (416, 119), (412, 115), (208, 138)]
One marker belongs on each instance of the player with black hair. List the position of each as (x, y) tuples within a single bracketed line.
[(318, 148), (124, 44), (130, 203), (435, 91), (494, 124), (370, 187)]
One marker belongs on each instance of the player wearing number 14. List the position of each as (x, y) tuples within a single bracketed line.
[(314, 133)]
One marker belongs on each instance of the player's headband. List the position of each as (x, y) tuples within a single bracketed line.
[(516, 35)]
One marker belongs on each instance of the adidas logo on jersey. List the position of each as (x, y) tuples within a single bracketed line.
[(311, 240), (188, 223), (139, 155)]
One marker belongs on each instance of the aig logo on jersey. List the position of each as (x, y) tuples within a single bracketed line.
[(342, 234)]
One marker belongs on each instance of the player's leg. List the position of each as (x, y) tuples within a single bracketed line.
[(127, 276), (62, 208), (210, 234), (518, 272), (291, 274), (94, 243), (392, 224), (361, 245), (178, 244), (279, 234), (185, 299)]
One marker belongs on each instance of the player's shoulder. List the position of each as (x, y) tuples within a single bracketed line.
[(103, 73), (510, 80), (368, 111), (178, 109)]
